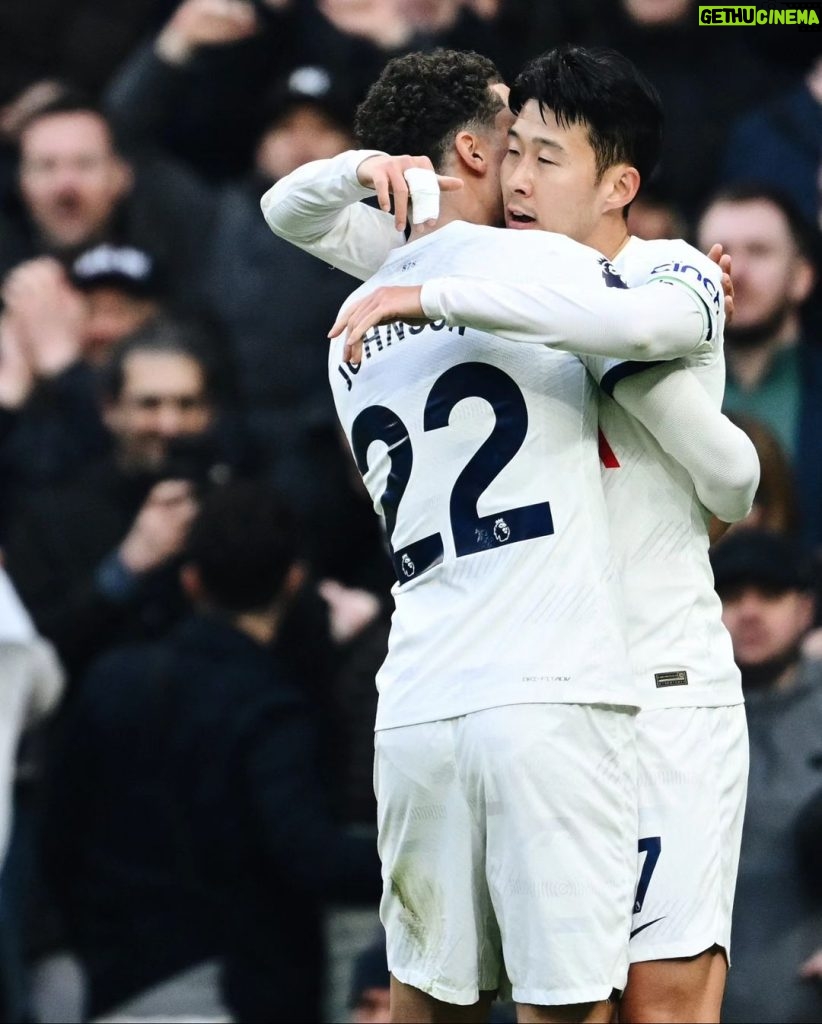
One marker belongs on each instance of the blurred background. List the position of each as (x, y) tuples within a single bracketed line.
[(195, 593)]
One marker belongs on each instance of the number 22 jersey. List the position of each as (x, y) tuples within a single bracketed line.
[(482, 458)]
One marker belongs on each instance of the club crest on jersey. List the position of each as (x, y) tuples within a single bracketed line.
[(502, 531), (408, 567)]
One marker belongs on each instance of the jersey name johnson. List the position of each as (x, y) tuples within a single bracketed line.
[(482, 459)]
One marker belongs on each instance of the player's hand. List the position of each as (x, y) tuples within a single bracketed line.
[(198, 23), (723, 260), (383, 306), (385, 174), (161, 527)]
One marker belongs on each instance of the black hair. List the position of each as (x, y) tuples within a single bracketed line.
[(804, 233), (243, 541), (604, 91), (166, 336), (421, 100)]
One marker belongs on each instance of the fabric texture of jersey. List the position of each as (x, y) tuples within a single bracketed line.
[(680, 651), (482, 458), (515, 829), (693, 774)]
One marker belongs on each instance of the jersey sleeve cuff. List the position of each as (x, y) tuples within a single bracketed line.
[(702, 305), (431, 299)]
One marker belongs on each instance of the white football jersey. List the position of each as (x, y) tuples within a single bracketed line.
[(482, 458), (680, 651)]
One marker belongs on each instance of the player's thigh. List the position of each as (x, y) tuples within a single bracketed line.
[(693, 767), (441, 934), (687, 989), (558, 786)]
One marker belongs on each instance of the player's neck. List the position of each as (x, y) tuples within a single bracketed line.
[(462, 205), (609, 237)]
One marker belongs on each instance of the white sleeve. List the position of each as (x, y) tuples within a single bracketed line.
[(47, 678), (675, 408), (318, 208), (653, 322)]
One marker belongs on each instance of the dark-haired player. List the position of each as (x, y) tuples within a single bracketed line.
[(529, 589)]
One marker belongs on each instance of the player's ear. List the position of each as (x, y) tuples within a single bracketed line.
[(621, 186), (471, 153)]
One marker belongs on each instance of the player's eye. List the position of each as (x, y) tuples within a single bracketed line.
[(545, 160), (512, 152)]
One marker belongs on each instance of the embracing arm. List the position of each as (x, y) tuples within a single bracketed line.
[(654, 321), (318, 208), (673, 406)]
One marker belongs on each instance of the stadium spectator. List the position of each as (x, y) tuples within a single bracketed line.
[(274, 304), (255, 285), (763, 582), (189, 823), (201, 78), (94, 556), (775, 504), (700, 99), (780, 144), (652, 215), (774, 368), (370, 985), (76, 189), (57, 327)]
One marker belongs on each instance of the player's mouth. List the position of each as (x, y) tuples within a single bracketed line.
[(517, 219)]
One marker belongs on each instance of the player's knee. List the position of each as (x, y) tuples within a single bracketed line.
[(572, 1013)]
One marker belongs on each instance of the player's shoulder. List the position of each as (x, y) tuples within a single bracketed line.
[(674, 260), (524, 245), (672, 255)]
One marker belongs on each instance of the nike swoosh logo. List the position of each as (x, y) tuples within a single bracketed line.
[(642, 927)]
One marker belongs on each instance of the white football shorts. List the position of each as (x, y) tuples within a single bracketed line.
[(508, 846), (693, 777)]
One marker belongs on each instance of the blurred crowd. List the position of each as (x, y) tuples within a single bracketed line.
[(195, 593)]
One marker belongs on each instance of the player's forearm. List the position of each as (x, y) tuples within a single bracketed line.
[(719, 457), (318, 208), (646, 324)]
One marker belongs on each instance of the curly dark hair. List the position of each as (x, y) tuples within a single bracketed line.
[(421, 100)]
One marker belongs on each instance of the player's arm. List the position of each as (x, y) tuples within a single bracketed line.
[(675, 408), (318, 208), (657, 321), (653, 322)]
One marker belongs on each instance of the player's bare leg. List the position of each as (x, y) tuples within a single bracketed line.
[(411, 1006), (576, 1013), (661, 991)]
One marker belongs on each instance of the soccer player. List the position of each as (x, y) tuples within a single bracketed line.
[(568, 145), (432, 92)]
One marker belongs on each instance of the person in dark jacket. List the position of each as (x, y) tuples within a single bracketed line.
[(76, 189), (189, 820), (763, 580), (94, 557)]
